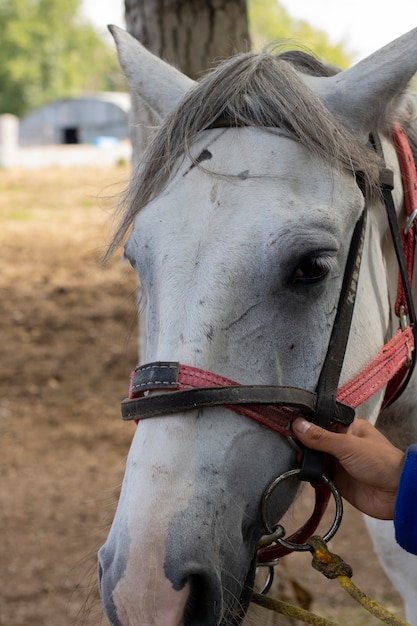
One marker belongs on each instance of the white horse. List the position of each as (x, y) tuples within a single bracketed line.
[(240, 222)]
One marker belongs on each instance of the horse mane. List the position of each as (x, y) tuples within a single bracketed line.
[(260, 89)]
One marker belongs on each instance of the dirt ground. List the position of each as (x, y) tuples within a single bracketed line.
[(68, 343)]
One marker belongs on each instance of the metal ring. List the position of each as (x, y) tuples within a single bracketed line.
[(268, 583), (266, 540), (289, 544)]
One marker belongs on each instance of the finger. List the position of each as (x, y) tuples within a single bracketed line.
[(315, 437)]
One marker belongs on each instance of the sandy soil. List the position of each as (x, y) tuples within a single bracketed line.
[(68, 343)]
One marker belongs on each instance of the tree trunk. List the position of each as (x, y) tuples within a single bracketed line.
[(192, 35), (189, 34)]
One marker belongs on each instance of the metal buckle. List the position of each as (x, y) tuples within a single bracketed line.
[(403, 317), (410, 222)]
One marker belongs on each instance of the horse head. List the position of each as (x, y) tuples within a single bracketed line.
[(241, 217)]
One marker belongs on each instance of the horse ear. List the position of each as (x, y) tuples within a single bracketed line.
[(159, 84), (364, 96)]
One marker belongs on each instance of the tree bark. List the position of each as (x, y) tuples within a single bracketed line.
[(192, 35), (189, 34)]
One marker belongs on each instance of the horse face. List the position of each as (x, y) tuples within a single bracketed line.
[(242, 260)]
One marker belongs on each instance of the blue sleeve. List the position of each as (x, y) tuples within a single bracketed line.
[(405, 514)]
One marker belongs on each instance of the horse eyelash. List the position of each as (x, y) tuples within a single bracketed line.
[(327, 262)]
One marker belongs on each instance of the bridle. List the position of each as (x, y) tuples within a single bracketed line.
[(188, 388)]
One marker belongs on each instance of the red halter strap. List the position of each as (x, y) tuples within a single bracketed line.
[(271, 406), (408, 241), (175, 377), (409, 183)]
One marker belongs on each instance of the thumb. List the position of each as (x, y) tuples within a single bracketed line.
[(315, 437)]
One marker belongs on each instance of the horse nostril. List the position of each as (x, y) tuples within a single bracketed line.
[(204, 604)]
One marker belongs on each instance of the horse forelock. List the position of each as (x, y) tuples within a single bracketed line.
[(258, 89)]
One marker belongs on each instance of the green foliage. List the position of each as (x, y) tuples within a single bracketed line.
[(48, 52), (269, 22)]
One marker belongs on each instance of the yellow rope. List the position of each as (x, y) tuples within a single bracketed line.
[(370, 605), (331, 566), (290, 610)]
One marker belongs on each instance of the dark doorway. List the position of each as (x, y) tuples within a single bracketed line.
[(70, 135)]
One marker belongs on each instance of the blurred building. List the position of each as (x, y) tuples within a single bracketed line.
[(96, 119)]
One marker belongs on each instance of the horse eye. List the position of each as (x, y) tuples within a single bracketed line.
[(311, 270)]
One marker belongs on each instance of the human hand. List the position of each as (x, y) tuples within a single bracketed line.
[(366, 466)]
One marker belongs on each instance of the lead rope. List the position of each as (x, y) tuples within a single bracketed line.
[(333, 567)]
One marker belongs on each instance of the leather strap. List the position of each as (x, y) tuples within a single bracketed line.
[(312, 463), (272, 406)]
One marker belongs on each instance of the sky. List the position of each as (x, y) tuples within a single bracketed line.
[(363, 25)]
